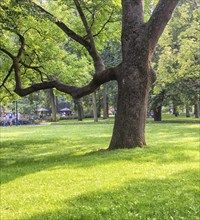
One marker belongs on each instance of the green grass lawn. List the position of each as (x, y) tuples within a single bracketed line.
[(58, 171)]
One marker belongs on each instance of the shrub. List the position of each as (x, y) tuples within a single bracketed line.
[(37, 121)]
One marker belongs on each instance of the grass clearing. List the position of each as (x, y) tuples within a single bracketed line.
[(57, 172)]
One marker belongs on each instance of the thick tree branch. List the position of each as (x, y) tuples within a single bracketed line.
[(74, 91), (21, 49), (132, 14), (159, 19), (132, 19)]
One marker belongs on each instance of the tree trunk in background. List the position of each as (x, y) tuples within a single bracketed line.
[(98, 104), (197, 110), (94, 104), (104, 103), (174, 108), (157, 113), (157, 103), (53, 105), (79, 109), (187, 112), (107, 107)]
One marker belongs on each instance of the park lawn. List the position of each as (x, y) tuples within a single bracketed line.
[(64, 172)]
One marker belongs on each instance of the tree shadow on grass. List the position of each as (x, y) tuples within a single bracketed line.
[(84, 157), (33, 155), (175, 197)]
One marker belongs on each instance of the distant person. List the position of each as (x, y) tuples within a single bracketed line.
[(10, 116)]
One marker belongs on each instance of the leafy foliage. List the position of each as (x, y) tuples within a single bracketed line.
[(179, 62)]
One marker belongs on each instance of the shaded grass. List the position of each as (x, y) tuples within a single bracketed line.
[(59, 172)]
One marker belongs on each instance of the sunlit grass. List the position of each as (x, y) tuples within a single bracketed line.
[(59, 172)]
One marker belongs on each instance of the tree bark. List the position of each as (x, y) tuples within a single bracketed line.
[(79, 107), (104, 103), (53, 105), (197, 110), (94, 104), (187, 112), (157, 113), (157, 103), (130, 120), (174, 108)]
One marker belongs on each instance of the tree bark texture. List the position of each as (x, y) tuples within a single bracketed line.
[(94, 104), (158, 113), (80, 112), (104, 102), (157, 105), (129, 127), (187, 112), (53, 105)]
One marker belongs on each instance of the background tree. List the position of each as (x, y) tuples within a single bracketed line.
[(177, 58)]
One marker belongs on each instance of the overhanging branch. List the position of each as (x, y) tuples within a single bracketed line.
[(74, 91)]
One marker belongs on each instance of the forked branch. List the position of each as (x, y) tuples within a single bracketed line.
[(64, 28)]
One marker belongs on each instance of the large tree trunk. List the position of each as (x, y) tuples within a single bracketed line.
[(130, 120)]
